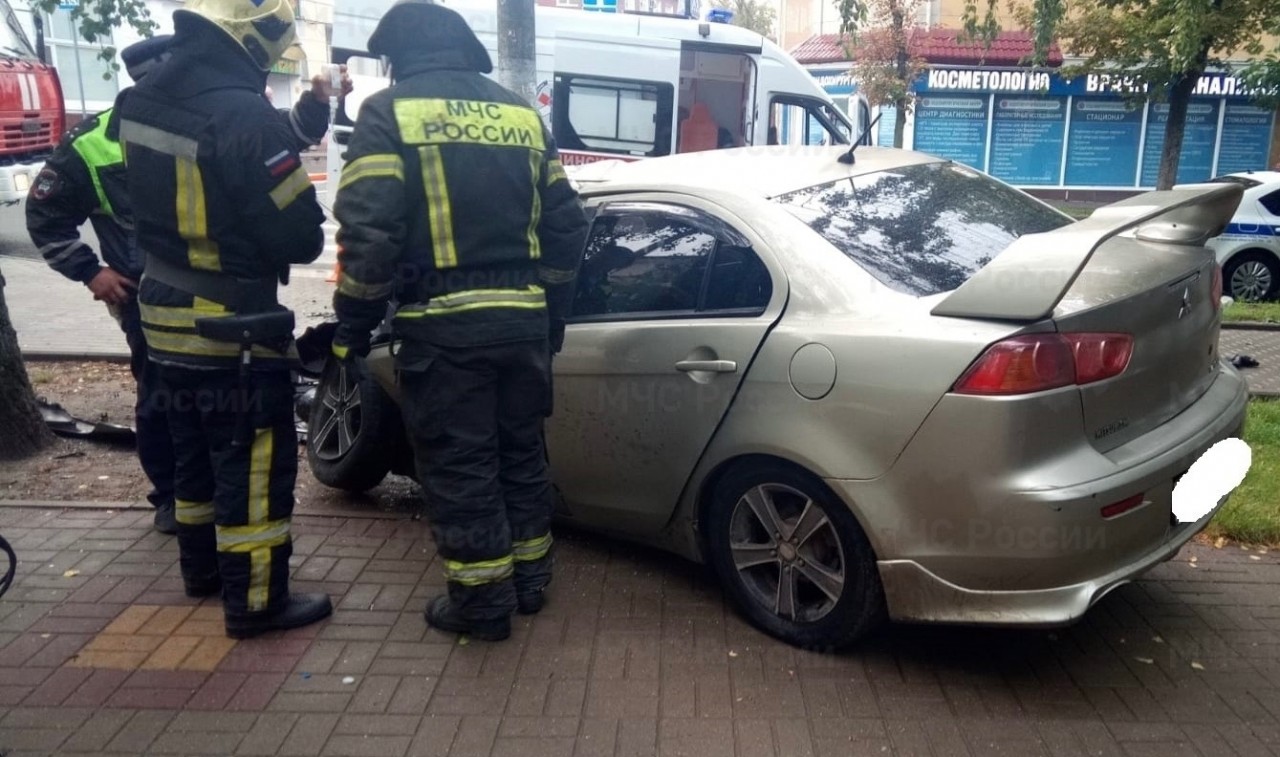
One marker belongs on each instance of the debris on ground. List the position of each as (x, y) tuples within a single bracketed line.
[(1244, 361)]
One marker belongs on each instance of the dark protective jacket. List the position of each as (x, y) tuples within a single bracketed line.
[(84, 180), (453, 200), (218, 188)]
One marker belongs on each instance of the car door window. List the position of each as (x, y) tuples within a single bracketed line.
[(1271, 202), (652, 260)]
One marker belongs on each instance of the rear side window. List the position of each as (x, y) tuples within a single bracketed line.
[(922, 229), (612, 115), (653, 260), (1271, 202)]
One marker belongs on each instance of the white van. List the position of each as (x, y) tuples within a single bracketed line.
[(629, 86)]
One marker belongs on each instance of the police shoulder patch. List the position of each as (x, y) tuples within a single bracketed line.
[(47, 183)]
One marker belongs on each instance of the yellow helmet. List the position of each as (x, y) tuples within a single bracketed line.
[(263, 28)]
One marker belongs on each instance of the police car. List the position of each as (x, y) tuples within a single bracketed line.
[(1249, 250)]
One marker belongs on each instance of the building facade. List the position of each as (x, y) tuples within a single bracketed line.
[(90, 84), (1087, 137)]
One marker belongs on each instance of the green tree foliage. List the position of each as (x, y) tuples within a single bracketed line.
[(97, 19), (878, 41), (755, 15)]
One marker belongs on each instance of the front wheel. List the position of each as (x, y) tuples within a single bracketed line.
[(793, 557), (352, 432), (1252, 276)]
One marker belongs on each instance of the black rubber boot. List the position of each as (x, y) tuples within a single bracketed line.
[(165, 521), (529, 602), (202, 587), (297, 611), (442, 614)]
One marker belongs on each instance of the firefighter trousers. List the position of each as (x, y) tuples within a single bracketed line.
[(234, 501), (475, 417), (151, 422)]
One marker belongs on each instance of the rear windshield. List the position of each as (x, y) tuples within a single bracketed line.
[(921, 229)]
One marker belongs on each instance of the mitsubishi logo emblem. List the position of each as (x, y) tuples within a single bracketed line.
[(1186, 303)]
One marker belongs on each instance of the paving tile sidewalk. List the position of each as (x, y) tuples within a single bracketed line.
[(636, 654)]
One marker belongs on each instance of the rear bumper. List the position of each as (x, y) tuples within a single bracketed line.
[(1043, 555)]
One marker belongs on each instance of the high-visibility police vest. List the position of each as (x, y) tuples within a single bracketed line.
[(99, 152)]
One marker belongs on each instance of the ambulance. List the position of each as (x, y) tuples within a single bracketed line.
[(627, 86)]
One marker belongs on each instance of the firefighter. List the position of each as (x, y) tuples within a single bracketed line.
[(83, 180), (454, 200), (223, 207)]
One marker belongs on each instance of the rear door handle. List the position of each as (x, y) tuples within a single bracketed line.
[(710, 366)]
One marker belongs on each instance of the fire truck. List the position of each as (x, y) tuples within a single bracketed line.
[(32, 114)]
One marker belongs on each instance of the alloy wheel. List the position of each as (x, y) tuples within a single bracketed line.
[(787, 552), (1251, 280), (337, 421)]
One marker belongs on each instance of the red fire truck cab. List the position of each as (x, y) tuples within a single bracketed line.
[(32, 114)]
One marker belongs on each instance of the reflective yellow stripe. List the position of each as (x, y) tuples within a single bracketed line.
[(555, 275), (340, 351), (531, 298), (555, 172), (380, 165), (477, 573), (243, 539), (260, 475), (535, 246), (179, 317), (531, 549), (193, 513), (424, 121), (349, 287), (202, 253), (439, 213), (190, 344), (259, 505), (291, 188)]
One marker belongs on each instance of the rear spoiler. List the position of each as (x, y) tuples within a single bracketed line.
[(1028, 280)]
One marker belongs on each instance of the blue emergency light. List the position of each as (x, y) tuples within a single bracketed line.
[(720, 16)]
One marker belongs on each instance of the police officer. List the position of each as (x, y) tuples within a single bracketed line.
[(223, 207), (84, 179), (454, 200)]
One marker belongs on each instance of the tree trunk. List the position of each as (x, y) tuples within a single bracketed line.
[(24, 430), (1174, 129), (517, 48), (899, 121)]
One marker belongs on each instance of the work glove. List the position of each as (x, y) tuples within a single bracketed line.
[(351, 347)]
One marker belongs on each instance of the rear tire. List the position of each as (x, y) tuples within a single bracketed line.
[(810, 579), (353, 432), (1251, 276)]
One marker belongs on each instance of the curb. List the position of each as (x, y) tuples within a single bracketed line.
[(35, 504), (76, 357), (1250, 326)]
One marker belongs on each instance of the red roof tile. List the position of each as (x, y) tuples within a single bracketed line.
[(937, 46)]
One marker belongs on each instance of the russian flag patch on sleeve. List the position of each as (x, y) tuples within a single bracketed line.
[(282, 163)]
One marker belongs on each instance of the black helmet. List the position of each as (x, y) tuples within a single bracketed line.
[(420, 26)]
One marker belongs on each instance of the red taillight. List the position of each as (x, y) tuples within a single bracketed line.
[(1099, 356), (1215, 289), (1037, 362)]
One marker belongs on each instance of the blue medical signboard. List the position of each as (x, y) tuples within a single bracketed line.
[(1246, 137), (1198, 139), (954, 127), (1103, 148), (1026, 139)]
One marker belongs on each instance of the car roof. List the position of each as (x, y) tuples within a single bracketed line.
[(760, 171)]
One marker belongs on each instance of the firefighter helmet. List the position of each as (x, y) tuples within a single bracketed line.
[(264, 29)]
